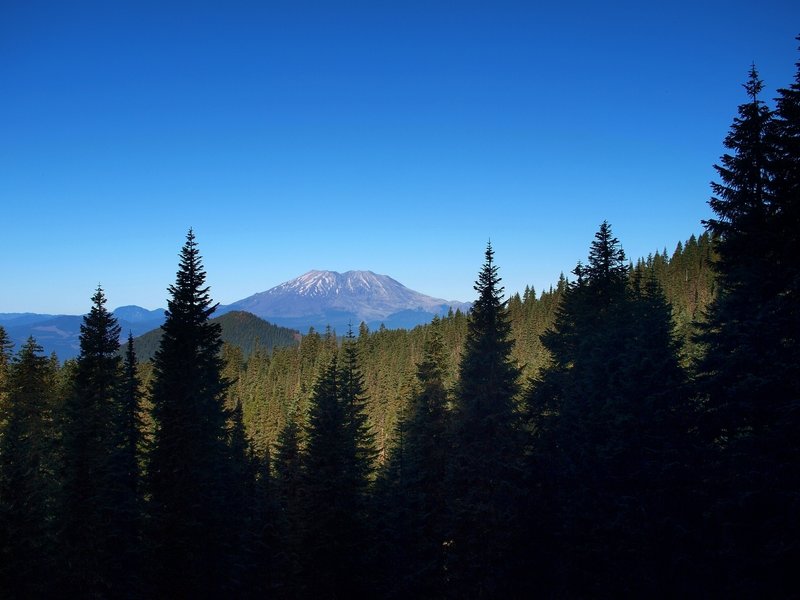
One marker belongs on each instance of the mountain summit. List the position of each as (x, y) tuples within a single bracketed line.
[(321, 298)]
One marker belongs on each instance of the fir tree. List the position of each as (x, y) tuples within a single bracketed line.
[(287, 485), (484, 476), (131, 422), (748, 376), (27, 472), (6, 347), (189, 463), (90, 517), (609, 422), (336, 466), (126, 461), (411, 492)]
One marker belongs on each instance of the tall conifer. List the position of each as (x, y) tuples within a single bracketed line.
[(90, 511), (609, 433), (748, 376), (484, 474), (411, 492), (27, 473), (189, 462), (337, 464)]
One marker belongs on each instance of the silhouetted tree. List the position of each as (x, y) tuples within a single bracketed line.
[(189, 468), (748, 376), (484, 475), (90, 517), (609, 422), (27, 475), (336, 466), (411, 492)]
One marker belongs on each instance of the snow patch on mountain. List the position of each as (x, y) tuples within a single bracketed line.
[(353, 296)]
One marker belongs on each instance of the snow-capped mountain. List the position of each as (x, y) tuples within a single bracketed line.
[(321, 298)]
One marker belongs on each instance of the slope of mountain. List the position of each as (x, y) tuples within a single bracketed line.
[(137, 314), (238, 328), (321, 298), (12, 319)]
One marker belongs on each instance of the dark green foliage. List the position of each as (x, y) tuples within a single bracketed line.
[(6, 347), (688, 281), (337, 463), (610, 446), (241, 329), (91, 533), (27, 474), (748, 376), (288, 490), (189, 468), (411, 491), (484, 474)]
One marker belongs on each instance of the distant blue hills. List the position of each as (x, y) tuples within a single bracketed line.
[(317, 299), (61, 333)]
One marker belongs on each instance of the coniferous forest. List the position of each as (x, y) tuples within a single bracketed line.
[(633, 431)]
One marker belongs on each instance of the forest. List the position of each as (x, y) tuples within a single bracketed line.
[(632, 431)]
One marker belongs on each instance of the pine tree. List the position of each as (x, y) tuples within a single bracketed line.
[(27, 469), (90, 517), (6, 347), (336, 466), (610, 442), (411, 491), (748, 376), (189, 462), (484, 476), (127, 476), (287, 485), (131, 422)]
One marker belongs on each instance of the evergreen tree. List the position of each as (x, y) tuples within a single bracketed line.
[(6, 347), (609, 422), (484, 476), (189, 468), (336, 466), (90, 518), (411, 492), (128, 476), (27, 469), (131, 422), (287, 485), (748, 376)]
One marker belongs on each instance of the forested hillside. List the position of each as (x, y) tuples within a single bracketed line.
[(630, 432), (241, 329), (273, 387)]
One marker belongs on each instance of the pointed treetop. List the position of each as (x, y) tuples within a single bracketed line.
[(754, 85)]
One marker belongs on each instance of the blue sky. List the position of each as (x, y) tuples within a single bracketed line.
[(391, 136)]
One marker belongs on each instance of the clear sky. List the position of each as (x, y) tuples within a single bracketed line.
[(396, 137)]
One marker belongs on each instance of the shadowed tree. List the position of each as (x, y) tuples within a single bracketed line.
[(27, 473), (411, 491), (484, 475), (337, 464), (610, 447), (189, 468), (748, 377), (91, 520)]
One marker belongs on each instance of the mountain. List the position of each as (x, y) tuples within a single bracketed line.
[(316, 299), (321, 298), (61, 333), (137, 314), (238, 328)]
